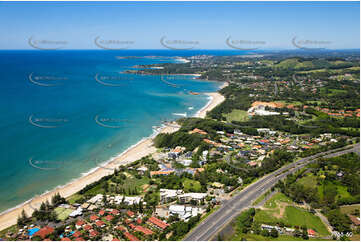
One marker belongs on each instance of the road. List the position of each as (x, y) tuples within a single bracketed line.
[(209, 228)]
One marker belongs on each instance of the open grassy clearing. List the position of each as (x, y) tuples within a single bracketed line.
[(296, 103), (62, 213), (73, 198), (276, 199), (191, 185), (131, 183), (309, 180), (350, 209), (237, 115), (280, 208), (257, 237)]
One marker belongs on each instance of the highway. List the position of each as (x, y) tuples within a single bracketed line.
[(210, 227)]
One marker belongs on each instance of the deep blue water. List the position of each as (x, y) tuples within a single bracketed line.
[(59, 120)]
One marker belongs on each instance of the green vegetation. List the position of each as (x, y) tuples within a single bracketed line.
[(244, 221), (277, 199), (351, 209), (237, 115), (313, 95), (258, 237), (328, 184), (191, 185), (299, 217), (62, 213), (261, 198), (279, 209)]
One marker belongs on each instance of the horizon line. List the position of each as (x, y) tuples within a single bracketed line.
[(323, 49)]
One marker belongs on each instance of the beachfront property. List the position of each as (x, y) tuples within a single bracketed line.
[(142, 200)]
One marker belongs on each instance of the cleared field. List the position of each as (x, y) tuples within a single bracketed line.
[(309, 180), (131, 183), (72, 199), (237, 115), (280, 208), (298, 217), (290, 103), (277, 199), (331, 92), (62, 213), (342, 192), (350, 209), (191, 185)]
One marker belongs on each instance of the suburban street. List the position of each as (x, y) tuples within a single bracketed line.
[(209, 228)]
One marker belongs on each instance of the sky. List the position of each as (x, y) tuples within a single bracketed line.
[(197, 25)]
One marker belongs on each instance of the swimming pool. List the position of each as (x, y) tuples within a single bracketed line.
[(33, 231)]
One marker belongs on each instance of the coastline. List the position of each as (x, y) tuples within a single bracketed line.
[(215, 99), (143, 148)]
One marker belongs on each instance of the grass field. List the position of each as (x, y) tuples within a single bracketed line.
[(276, 199), (62, 213), (342, 192), (74, 197), (350, 209), (237, 115), (298, 217), (308, 181), (256, 237), (331, 92), (191, 185), (294, 64), (131, 183), (279, 208), (128, 184), (290, 103)]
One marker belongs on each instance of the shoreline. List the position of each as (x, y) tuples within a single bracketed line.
[(142, 148)]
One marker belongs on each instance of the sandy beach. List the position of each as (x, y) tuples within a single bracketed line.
[(141, 149)]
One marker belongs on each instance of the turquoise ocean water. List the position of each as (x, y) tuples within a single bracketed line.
[(64, 113)]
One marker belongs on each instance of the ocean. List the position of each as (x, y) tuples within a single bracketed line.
[(66, 112)]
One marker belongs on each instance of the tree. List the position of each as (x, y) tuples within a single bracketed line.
[(274, 233), (304, 233), (339, 220), (22, 219)]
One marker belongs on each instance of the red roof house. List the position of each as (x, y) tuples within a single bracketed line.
[(93, 233), (88, 227), (121, 228), (100, 223), (77, 234), (101, 212), (145, 231), (115, 212), (94, 217), (130, 213), (130, 237), (157, 222), (109, 217), (311, 233), (43, 232), (80, 223)]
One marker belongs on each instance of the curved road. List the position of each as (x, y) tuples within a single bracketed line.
[(209, 228)]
